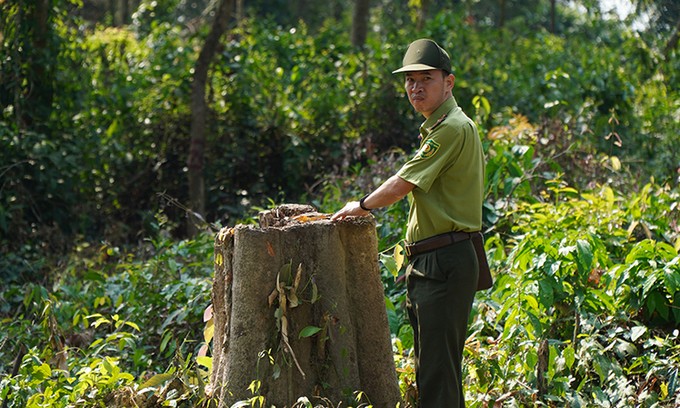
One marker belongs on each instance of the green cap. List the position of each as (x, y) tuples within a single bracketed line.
[(423, 55)]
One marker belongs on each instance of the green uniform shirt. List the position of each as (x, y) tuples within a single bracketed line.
[(448, 172)]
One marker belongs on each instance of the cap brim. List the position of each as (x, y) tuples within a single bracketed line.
[(414, 67)]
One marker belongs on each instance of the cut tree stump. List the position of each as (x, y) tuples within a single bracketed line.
[(298, 307)]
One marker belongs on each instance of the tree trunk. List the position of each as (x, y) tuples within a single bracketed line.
[(297, 8), (552, 15), (120, 12), (299, 306), (36, 107), (360, 22), (672, 42), (422, 14), (195, 161), (240, 15)]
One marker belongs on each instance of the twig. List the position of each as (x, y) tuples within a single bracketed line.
[(188, 211), (15, 369)]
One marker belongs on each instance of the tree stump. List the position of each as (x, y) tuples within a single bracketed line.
[(299, 312)]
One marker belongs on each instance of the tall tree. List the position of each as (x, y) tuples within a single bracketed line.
[(199, 108), (121, 10), (360, 22), (422, 14), (553, 6), (664, 18), (28, 49)]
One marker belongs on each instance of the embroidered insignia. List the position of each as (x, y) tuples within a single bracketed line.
[(428, 149)]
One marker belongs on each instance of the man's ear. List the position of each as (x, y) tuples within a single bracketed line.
[(452, 79)]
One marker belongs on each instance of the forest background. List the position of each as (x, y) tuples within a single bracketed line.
[(131, 130)]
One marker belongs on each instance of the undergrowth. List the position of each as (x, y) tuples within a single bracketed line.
[(584, 311)]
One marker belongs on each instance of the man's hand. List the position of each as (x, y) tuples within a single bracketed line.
[(351, 209), (389, 192)]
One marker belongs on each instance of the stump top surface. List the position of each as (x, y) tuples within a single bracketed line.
[(293, 215)]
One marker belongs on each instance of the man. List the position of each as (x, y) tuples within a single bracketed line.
[(444, 182)]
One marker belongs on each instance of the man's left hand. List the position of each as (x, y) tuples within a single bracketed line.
[(351, 209)]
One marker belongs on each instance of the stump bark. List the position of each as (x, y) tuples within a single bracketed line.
[(299, 307)]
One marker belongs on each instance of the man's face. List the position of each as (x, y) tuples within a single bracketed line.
[(427, 90)]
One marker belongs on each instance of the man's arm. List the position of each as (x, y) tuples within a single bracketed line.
[(392, 190)]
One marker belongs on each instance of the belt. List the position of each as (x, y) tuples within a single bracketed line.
[(436, 242)]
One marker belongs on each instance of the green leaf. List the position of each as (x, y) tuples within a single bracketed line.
[(569, 355), (285, 273), (100, 321), (127, 377), (530, 301), (42, 371), (657, 302), (398, 257), (205, 361), (531, 358), (641, 250), (625, 349), (167, 336), (546, 293), (293, 300), (636, 332), (157, 380), (390, 264), (95, 276), (209, 331), (584, 257), (108, 365), (133, 325), (389, 305), (112, 128), (671, 276), (315, 292), (673, 382), (254, 386), (602, 367), (309, 331), (648, 284)]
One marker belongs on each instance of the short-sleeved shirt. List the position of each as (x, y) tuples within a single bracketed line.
[(448, 172)]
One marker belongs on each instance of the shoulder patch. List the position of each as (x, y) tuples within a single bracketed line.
[(428, 149)]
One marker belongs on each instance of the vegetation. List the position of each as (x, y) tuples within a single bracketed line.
[(103, 294)]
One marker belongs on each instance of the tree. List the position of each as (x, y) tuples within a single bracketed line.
[(199, 108), (27, 60), (121, 10), (553, 6), (360, 22), (664, 18)]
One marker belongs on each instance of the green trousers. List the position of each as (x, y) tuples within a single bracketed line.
[(441, 287)]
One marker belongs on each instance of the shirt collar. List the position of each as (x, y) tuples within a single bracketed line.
[(437, 116)]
